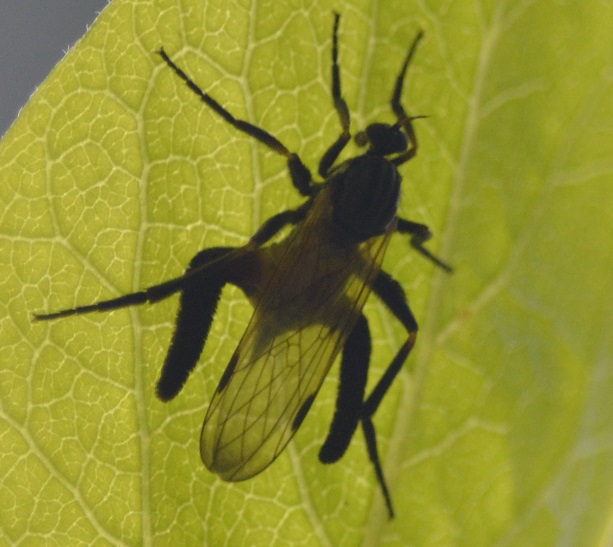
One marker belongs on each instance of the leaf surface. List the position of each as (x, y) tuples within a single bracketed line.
[(114, 176)]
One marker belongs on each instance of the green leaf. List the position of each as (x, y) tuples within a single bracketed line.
[(499, 431)]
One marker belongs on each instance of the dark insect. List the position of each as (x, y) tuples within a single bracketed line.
[(307, 291)]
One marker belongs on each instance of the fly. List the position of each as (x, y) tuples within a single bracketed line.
[(308, 292)]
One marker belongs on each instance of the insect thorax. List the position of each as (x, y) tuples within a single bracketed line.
[(365, 195)]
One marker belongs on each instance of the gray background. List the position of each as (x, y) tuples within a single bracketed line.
[(34, 34)]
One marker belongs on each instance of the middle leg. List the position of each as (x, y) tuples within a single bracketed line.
[(420, 233)]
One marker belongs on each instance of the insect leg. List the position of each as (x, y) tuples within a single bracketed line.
[(420, 233), (150, 295), (392, 295), (404, 119), (197, 307), (301, 176), (275, 223), (350, 398), (340, 106)]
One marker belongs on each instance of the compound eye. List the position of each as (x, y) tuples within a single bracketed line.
[(361, 138)]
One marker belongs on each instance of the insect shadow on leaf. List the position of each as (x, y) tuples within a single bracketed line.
[(307, 290)]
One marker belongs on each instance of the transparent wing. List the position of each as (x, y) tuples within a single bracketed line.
[(314, 291)]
